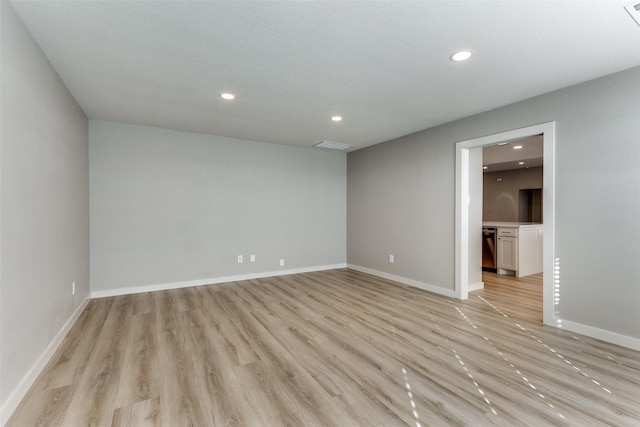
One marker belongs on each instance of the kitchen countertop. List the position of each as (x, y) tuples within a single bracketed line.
[(505, 224)]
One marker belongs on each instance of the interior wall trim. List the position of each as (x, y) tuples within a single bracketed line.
[(475, 286), (406, 281), (590, 331), (27, 381), (211, 281), (601, 334)]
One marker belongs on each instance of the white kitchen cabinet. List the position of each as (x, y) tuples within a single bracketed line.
[(529, 251), (507, 252), (518, 248)]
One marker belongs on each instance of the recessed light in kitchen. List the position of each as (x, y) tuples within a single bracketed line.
[(227, 96), (485, 167), (521, 163), (336, 118), (517, 147), (461, 55)]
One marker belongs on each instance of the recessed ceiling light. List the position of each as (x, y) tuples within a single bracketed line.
[(227, 96), (485, 167), (521, 163), (517, 147), (461, 55), (336, 118)]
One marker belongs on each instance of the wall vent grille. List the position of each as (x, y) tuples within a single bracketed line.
[(634, 11), (334, 145)]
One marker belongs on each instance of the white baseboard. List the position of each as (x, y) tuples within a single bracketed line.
[(601, 334), (212, 281), (475, 286), (27, 381), (404, 280), (590, 331)]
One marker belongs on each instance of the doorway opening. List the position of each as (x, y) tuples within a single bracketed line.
[(469, 217), (530, 205)]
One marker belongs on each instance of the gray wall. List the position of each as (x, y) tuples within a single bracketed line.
[(44, 215), (170, 207), (401, 198), (501, 198)]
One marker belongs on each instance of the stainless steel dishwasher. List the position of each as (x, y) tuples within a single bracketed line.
[(489, 249)]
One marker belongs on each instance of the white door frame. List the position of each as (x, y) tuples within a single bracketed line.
[(463, 199)]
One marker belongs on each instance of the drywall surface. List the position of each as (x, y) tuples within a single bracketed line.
[(501, 192), (400, 201), (401, 198), (44, 197), (172, 207)]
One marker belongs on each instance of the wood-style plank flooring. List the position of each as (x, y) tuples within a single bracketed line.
[(518, 297), (333, 348)]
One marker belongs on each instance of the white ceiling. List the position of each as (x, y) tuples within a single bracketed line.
[(384, 65), (506, 155)]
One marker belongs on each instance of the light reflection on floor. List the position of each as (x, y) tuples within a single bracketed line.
[(537, 392), (597, 350), (407, 385), (506, 359), (469, 374), (546, 346), (411, 401)]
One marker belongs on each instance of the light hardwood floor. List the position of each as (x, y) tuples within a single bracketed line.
[(333, 348)]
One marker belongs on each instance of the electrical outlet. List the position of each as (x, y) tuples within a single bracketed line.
[(282, 263), (240, 259), (73, 288), (391, 259), (252, 257)]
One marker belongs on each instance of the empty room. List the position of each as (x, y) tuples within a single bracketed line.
[(319, 213)]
